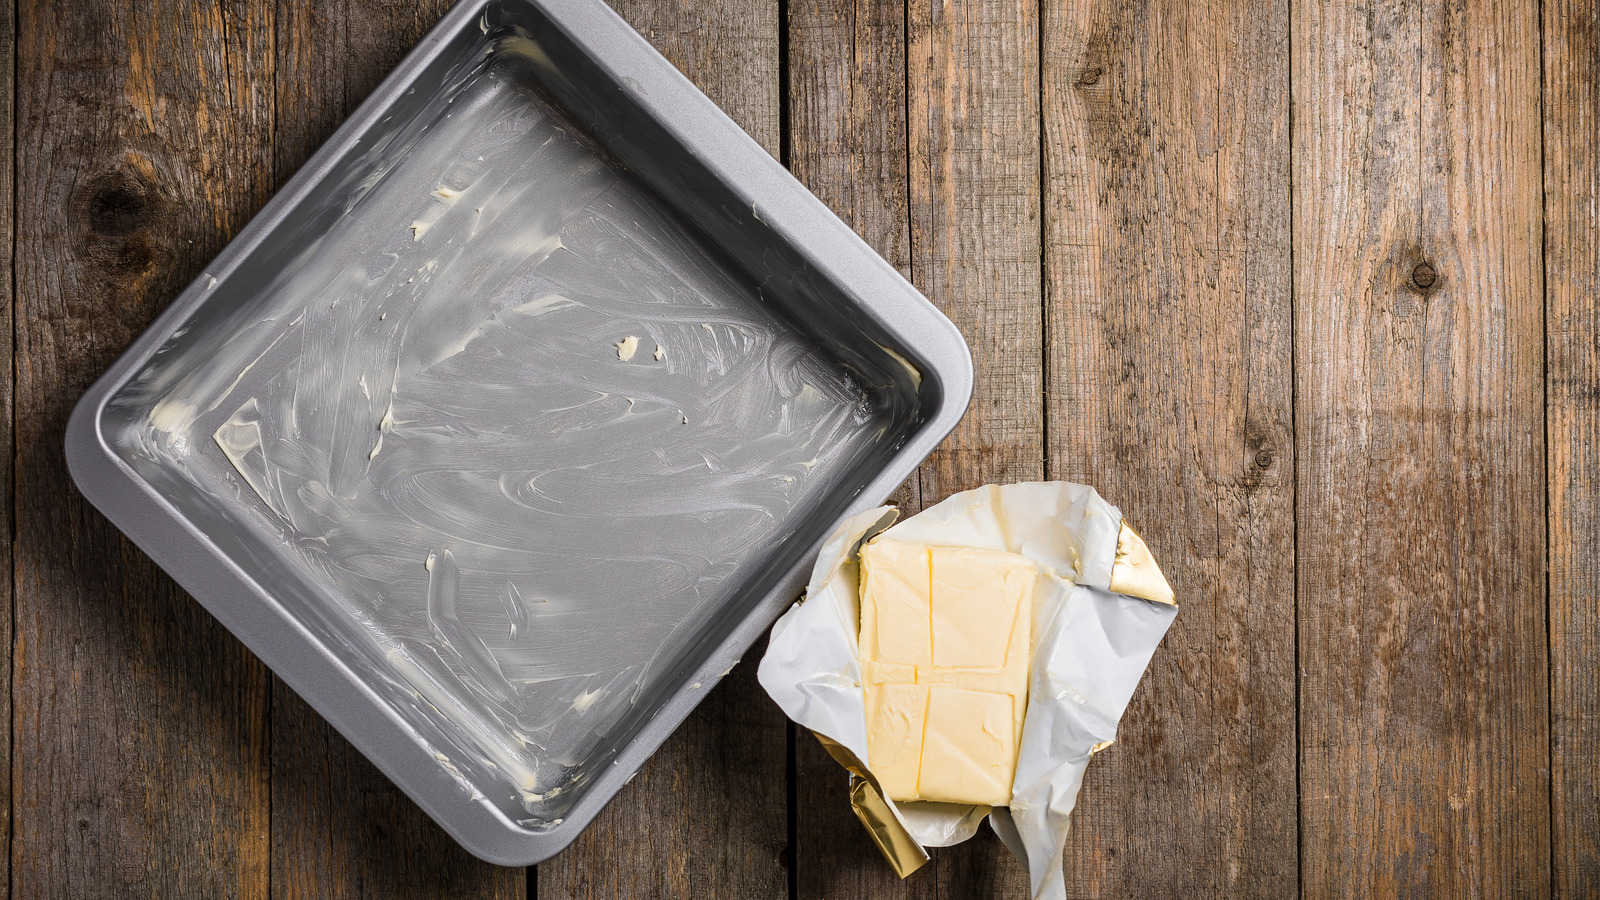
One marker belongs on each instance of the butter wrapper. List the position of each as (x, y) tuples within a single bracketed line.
[(1095, 626)]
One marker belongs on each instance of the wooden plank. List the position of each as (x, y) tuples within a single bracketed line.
[(1420, 436), (973, 126), (8, 57), (972, 97), (847, 116), (140, 742), (1169, 386), (918, 124), (1572, 324), (847, 143), (707, 816), (339, 827)]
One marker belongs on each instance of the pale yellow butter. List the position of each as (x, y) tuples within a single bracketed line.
[(944, 655)]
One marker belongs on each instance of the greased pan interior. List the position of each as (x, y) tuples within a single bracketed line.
[(511, 422)]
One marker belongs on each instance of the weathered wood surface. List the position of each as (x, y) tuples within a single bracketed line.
[(1167, 370), (1309, 289), (918, 124), (8, 59), (972, 129), (1572, 346), (140, 726), (847, 143), (1419, 429), (708, 815), (972, 136)]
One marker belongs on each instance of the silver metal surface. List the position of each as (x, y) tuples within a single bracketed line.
[(518, 415)]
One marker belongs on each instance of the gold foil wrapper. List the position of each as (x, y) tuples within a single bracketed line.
[(866, 798), (1135, 573), (814, 642)]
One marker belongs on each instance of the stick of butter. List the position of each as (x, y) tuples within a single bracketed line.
[(944, 646)]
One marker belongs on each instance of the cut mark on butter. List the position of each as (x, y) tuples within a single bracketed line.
[(944, 647), (627, 347)]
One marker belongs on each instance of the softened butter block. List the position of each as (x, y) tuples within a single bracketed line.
[(976, 598), (899, 577), (899, 711), (944, 648), (969, 746)]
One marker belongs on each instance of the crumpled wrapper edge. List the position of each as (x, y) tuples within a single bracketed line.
[(1095, 639)]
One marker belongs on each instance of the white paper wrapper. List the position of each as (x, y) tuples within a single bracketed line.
[(1090, 647)]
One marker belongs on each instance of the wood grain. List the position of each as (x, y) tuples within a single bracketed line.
[(1572, 383), (339, 827), (707, 815), (918, 124), (8, 59), (847, 116), (140, 725), (1419, 418), (1169, 388), (972, 95), (1346, 424), (847, 143), (972, 89)]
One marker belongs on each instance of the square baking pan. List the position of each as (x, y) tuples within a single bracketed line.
[(517, 416)]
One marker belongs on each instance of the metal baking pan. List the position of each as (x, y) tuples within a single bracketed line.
[(517, 415)]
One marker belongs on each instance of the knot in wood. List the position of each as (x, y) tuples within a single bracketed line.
[(116, 206), (1090, 76), (120, 218), (1424, 275)]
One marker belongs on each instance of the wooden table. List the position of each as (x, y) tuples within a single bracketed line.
[(1309, 289)]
